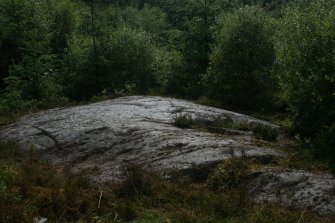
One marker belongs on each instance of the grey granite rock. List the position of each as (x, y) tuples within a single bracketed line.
[(137, 129), (109, 134), (294, 188)]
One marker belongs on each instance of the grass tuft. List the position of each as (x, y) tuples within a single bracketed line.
[(183, 121)]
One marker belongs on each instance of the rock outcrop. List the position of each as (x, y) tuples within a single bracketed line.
[(140, 129), (294, 188), (137, 129)]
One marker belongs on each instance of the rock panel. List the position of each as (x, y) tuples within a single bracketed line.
[(140, 129)]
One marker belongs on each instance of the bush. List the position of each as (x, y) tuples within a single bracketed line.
[(183, 121), (239, 73), (123, 57), (305, 52), (231, 174), (265, 132), (230, 178), (171, 73), (150, 19)]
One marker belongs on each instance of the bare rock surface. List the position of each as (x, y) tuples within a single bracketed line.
[(139, 129), (295, 188)]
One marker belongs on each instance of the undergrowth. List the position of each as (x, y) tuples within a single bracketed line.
[(31, 187)]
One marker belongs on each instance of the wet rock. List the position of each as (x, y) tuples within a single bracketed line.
[(139, 129), (294, 188)]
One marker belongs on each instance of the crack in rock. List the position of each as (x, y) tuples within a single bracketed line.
[(48, 134)]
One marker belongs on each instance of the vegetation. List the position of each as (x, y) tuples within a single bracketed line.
[(222, 126), (31, 187), (253, 56), (307, 80), (242, 58), (265, 132), (271, 58), (183, 121)]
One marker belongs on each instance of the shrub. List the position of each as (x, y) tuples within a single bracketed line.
[(183, 121), (230, 178), (305, 52), (265, 132), (123, 57), (228, 175), (239, 73)]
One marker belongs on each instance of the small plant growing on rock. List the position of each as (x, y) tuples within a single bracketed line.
[(229, 178), (183, 120), (228, 175), (265, 132)]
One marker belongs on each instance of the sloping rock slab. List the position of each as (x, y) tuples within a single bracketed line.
[(295, 188), (139, 129)]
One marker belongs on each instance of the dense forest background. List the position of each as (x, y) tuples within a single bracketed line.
[(266, 56)]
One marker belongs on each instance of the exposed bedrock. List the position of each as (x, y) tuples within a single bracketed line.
[(139, 129)]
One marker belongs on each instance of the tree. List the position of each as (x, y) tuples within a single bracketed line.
[(65, 19), (242, 57), (127, 57), (23, 29), (306, 46), (32, 71), (150, 19), (124, 57), (189, 34)]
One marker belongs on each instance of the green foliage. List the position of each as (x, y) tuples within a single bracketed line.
[(150, 19), (123, 57), (79, 69), (183, 120), (171, 72), (189, 35), (265, 132), (229, 175), (239, 73), (228, 125), (93, 50), (25, 29), (65, 19), (306, 54), (12, 101), (128, 55), (38, 79), (31, 73)]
